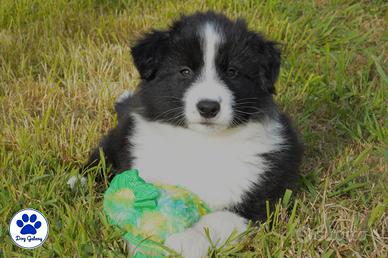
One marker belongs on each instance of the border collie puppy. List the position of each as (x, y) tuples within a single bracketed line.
[(203, 117)]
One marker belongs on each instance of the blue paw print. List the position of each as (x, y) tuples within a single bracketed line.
[(28, 228)]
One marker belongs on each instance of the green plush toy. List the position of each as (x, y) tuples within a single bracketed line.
[(149, 213)]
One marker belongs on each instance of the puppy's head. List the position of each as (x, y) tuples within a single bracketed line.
[(206, 73)]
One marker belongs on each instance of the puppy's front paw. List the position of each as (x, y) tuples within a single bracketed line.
[(189, 243)]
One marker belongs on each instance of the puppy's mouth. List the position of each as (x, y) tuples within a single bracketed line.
[(207, 123), (206, 126)]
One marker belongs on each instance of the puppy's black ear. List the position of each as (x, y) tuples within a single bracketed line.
[(148, 52), (268, 57)]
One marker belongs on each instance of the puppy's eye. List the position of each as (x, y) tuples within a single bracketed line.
[(231, 72), (186, 72)]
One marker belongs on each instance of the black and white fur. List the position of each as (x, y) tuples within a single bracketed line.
[(203, 117)]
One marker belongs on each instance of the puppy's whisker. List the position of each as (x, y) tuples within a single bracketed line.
[(248, 109), (247, 113), (243, 105), (236, 121), (243, 99), (246, 101), (171, 98), (178, 119), (167, 112), (177, 116), (170, 101)]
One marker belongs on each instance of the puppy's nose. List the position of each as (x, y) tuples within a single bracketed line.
[(208, 108)]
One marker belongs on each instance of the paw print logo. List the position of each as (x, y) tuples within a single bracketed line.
[(28, 228), (32, 225)]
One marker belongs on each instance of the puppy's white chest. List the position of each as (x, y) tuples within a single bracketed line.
[(219, 168)]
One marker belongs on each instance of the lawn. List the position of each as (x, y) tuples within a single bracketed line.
[(63, 63)]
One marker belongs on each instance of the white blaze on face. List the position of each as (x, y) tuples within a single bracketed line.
[(209, 87)]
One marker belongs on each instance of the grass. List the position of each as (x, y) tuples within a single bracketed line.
[(63, 63)]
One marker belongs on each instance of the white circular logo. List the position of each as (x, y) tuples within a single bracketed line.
[(28, 228)]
